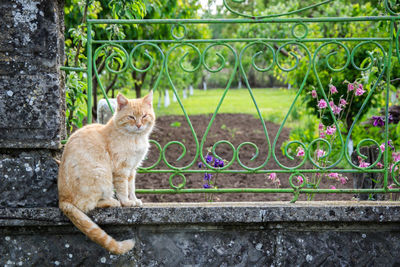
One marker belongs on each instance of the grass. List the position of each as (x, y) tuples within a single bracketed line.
[(273, 103)]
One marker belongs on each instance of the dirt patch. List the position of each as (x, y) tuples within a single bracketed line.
[(235, 128)]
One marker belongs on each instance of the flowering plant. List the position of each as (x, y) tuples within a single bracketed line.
[(208, 179), (333, 113)]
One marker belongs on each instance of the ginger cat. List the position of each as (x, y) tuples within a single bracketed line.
[(100, 158)]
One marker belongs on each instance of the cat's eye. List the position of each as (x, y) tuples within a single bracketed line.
[(132, 117), (144, 116)]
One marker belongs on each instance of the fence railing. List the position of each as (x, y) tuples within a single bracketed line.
[(301, 52)]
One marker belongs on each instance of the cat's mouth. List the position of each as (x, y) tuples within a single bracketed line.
[(135, 129)]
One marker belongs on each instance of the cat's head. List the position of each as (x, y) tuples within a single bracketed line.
[(135, 116)]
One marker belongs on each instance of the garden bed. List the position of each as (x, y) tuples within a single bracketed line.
[(236, 128)]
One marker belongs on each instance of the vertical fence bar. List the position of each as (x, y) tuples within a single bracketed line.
[(89, 73), (388, 69)]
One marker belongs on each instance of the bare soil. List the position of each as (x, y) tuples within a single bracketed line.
[(235, 128)]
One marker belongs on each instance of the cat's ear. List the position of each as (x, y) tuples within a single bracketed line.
[(148, 99), (122, 101)]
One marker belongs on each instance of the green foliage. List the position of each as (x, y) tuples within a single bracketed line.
[(176, 124), (76, 13), (334, 56), (75, 101)]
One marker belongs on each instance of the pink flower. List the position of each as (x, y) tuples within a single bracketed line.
[(343, 180), (300, 152), (332, 187), (272, 176), (350, 87), (322, 104), (333, 89), (360, 90), (320, 127), (331, 104), (336, 110), (300, 179), (382, 147), (379, 165), (342, 102), (331, 130), (391, 168), (391, 186), (395, 157), (322, 135), (314, 94), (364, 164), (320, 153), (334, 175)]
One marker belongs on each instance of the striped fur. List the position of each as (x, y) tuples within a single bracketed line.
[(93, 231)]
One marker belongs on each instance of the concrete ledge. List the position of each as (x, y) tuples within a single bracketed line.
[(211, 234), (221, 213)]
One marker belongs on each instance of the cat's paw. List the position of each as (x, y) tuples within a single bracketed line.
[(139, 203), (128, 203), (108, 203)]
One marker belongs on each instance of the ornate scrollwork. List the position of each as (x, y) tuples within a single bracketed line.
[(232, 10)]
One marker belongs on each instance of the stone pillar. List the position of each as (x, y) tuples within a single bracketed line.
[(32, 101)]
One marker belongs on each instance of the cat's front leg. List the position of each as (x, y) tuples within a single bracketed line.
[(121, 189), (131, 189)]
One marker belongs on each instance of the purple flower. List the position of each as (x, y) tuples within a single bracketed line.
[(350, 87), (390, 144), (314, 94), (390, 118), (221, 163), (206, 186), (200, 165), (209, 159), (333, 89), (216, 163), (207, 176), (378, 121), (322, 104), (342, 102)]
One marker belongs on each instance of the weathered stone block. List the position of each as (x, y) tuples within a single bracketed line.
[(216, 234), (31, 83), (28, 179)]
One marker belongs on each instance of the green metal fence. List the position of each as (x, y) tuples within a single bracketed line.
[(298, 37)]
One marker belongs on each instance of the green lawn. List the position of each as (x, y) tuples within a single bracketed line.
[(273, 103)]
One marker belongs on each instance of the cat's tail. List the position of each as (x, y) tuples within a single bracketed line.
[(93, 231)]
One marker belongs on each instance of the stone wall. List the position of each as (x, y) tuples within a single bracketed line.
[(32, 107), (216, 234)]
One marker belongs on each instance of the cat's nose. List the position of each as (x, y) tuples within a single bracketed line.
[(138, 126)]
